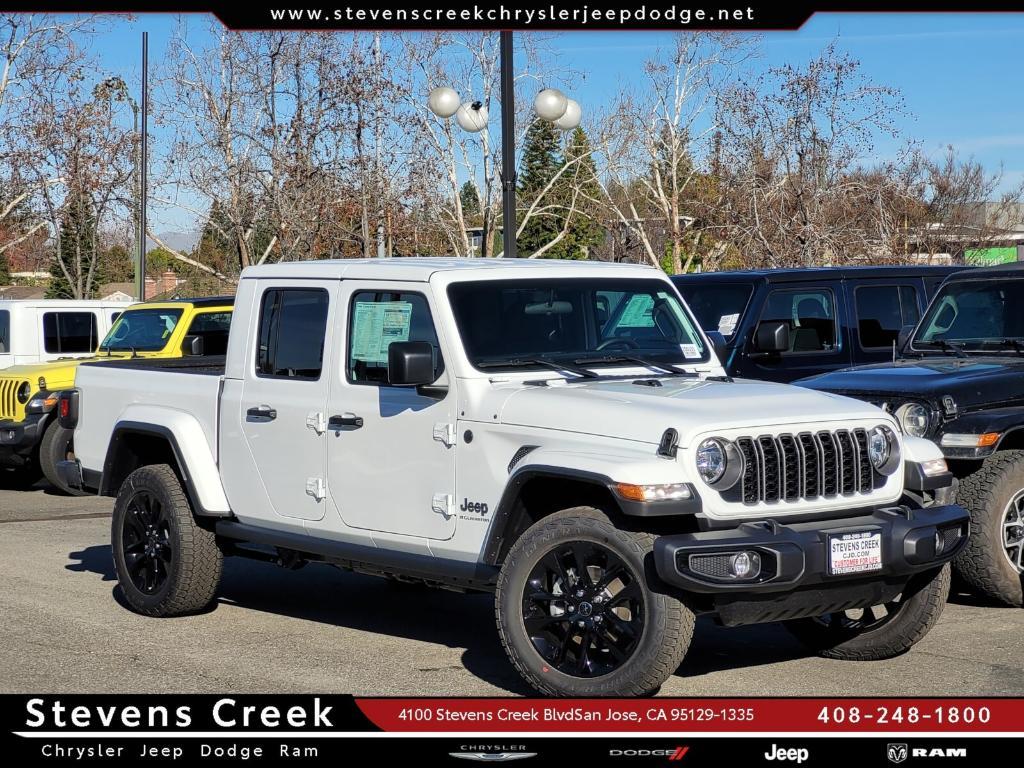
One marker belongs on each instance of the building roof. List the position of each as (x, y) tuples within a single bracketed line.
[(791, 275), (420, 268), (22, 292)]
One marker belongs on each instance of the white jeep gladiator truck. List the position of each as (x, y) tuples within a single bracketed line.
[(560, 434)]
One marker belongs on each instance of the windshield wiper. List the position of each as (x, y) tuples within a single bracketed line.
[(667, 367), (1015, 344), (521, 362), (946, 346)]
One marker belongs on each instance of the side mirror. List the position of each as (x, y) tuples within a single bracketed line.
[(410, 363), (193, 346), (904, 337), (772, 336), (718, 344)]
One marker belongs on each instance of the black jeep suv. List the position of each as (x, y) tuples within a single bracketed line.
[(959, 381)]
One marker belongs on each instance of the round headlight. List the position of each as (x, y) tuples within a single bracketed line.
[(914, 418), (711, 461), (883, 450), (24, 392)]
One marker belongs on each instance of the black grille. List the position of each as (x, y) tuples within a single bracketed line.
[(804, 466), (519, 456), (715, 566)]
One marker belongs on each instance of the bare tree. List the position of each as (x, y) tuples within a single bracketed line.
[(651, 140), (792, 143)]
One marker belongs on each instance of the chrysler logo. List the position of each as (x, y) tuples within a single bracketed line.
[(492, 757)]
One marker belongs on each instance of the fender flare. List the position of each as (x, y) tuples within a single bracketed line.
[(195, 463), (521, 475)]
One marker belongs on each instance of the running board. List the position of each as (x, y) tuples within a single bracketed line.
[(374, 560)]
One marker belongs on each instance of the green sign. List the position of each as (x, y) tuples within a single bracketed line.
[(989, 256)]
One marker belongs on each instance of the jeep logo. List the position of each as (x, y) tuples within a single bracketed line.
[(474, 506)]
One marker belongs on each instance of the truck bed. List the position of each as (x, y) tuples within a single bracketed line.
[(129, 390), (212, 365)]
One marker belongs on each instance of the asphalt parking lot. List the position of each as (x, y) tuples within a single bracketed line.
[(319, 629)]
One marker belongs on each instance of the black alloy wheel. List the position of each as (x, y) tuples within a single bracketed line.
[(146, 542), (583, 609)]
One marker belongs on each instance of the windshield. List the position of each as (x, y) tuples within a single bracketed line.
[(5, 331), (141, 330), (718, 307), (973, 313), (506, 323)]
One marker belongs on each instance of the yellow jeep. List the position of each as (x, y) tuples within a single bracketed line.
[(31, 440)]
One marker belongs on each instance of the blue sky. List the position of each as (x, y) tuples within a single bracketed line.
[(958, 73)]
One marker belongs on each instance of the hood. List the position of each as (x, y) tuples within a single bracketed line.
[(619, 408), (973, 381)]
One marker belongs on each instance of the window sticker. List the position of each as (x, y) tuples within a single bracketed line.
[(690, 351), (727, 324), (376, 325), (637, 313)]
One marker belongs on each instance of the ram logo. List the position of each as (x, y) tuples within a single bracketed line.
[(896, 753)]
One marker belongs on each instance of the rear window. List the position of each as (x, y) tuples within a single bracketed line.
[(718, 307), (5, 331), (293, 325), (882, 310), (69, 332)]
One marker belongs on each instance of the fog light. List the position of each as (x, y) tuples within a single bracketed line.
[(745, 565), (934, 467)]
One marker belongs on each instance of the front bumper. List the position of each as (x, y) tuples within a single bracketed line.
[(19, 438), (795, 578)]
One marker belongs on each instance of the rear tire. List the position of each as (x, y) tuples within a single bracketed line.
[(57, 445), (839, 637), (167, 565), (993, 495), (575, 568)]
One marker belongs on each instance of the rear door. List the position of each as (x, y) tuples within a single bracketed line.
[(281, 407), (817, 339), (878, 310)]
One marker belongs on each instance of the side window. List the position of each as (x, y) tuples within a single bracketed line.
[(882, 310), (68, 332), (293, 323), (811, 315), (212, 328), (5, 331), (378, 318)]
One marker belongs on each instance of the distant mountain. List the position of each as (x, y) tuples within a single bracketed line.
[(183, 242)]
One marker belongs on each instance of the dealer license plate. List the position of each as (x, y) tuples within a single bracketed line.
[(854, 552)]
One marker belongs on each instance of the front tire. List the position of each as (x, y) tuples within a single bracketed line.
[(878, 632), (167, 565), (57, 445), (992, 562), (576, 614)]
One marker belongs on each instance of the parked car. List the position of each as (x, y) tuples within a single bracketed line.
[(560, 434), (35, 331), (785, 324), (31, 440), (959, 381)]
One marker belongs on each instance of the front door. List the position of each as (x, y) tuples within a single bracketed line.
[(390, 450), (281, 408)]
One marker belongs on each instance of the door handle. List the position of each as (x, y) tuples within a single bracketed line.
[(345, 422), (261, 413)]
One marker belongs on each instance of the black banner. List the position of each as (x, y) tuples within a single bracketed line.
[(554, 15)]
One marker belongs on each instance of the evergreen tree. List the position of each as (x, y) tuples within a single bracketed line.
[(541, 161), (584, 231), (470, 197), (5, 270), (214, 248), (77, 252)]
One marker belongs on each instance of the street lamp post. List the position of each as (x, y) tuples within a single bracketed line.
[(550, 105)]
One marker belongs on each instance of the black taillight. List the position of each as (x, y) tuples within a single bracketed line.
[(67, 409)]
